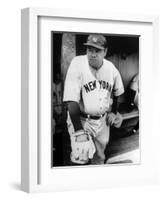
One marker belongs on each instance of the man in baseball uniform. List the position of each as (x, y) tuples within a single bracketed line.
[(92, 87)]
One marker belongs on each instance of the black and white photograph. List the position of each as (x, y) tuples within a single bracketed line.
[(94, 99), (86, 82)]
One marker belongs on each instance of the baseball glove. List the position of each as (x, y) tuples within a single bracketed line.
[(82, 150), (114, 119)]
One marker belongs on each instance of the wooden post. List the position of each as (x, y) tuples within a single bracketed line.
[(68, 52)]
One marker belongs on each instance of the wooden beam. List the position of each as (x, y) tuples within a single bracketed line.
[(130, 115)]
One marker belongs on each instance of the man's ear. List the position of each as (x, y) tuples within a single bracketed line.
[(106, 50)]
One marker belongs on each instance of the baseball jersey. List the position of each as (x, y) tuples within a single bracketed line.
[(92, 88)]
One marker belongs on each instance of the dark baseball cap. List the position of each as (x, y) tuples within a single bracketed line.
[(97, 41)]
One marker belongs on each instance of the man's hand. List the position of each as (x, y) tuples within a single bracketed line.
[(110, 118), (82, 146), (114, 119), (118, 120)]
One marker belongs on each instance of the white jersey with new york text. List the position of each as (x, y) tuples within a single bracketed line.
[(92, 89)]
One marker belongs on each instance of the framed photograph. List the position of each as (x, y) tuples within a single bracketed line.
[(87, 115)]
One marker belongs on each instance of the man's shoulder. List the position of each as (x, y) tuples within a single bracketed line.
[(78, 63), (78, 59), (110, 67), (109, 64)]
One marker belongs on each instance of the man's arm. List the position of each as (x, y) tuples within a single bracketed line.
[(74, 111), (115, 104), (113, 115), (82, 144)]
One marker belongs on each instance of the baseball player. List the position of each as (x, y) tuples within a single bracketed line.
[(91, 89)]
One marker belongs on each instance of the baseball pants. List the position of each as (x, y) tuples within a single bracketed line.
[(100, 133)]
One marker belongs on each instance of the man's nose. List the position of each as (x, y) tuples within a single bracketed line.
[(93, 54)]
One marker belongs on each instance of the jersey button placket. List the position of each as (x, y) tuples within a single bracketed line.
[(100, 103)]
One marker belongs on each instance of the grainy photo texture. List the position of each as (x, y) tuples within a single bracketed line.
[(95, 99)]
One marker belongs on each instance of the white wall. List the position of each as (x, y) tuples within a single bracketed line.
[(10, 96)]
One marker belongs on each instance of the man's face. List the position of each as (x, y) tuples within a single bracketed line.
[(95, 56)]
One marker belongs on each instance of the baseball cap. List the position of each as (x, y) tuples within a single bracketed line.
[(97, 41)]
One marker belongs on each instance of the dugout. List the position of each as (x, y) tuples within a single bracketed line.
[(123, 51)]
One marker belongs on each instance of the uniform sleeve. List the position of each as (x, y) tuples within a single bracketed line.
[(72, 85), (118, 87)]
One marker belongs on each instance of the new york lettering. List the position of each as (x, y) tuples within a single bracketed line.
[(105, 85), (90, 86)]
